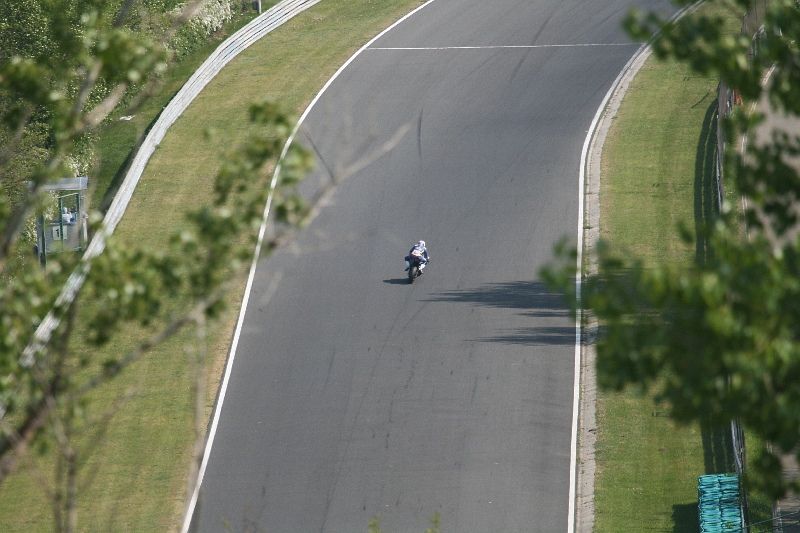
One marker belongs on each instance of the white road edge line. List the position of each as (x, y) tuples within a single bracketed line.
[(573, 445), (502, 46), (187, 521), (573, 471)]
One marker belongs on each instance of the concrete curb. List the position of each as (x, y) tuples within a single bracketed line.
[(592, 166), (587, 422)]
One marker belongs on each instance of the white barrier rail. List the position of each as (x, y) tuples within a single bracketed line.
[(227, 51)]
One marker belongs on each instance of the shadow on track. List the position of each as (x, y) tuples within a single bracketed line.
[(534, 301), (396, 281)]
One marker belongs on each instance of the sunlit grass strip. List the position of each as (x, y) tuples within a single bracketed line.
[(657, 174)]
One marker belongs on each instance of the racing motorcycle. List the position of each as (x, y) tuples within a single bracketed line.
[(415, 262)]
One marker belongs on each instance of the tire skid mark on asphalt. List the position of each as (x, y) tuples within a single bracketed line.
[(343, 456)]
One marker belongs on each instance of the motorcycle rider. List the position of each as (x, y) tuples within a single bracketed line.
[(422, 253)]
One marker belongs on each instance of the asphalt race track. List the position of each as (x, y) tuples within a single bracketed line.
[(355, 395)]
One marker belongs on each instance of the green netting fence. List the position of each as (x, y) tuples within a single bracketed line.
[(718, 497)]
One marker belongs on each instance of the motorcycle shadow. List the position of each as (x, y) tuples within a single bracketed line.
[(396, 281)]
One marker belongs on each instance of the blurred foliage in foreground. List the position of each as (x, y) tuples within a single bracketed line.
[(718, 340)]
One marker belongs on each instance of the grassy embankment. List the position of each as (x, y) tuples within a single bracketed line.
[(143, 461), (658, 172), (117, 138), (655, 175)]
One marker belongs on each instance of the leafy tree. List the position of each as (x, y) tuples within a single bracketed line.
[(719, 339), (60, 82)]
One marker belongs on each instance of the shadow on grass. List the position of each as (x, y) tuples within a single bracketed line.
[(684, 518), (716, 436), (122, 142), (533, 299), (705, 184), (717, 447)]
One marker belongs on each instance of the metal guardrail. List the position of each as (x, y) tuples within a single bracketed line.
[(737, 441), (752, 27), (225, 52), (754, 18)]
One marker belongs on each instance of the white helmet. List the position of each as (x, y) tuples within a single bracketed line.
[(421, 244)]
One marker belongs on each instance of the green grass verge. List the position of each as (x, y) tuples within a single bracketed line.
[(658, 164), (142, 463)]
